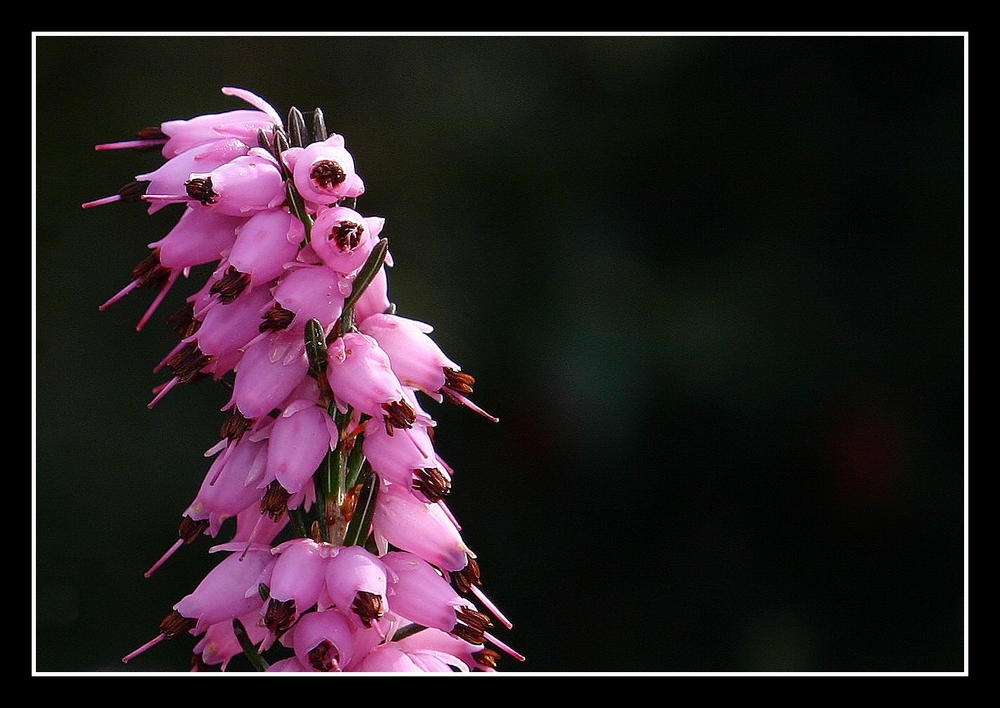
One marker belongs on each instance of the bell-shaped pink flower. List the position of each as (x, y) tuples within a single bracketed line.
[(390, 658), (242, 124), (361, 378), (226, 328), (198, 237), (265, 243), (299, 440), (230, 486), (324, 172), (299, 572), (398, 456), (167, 182), (416, 359), (474, 656), (243, 185), (419, 593), (219, 643), (356, 583), (270, 369), (418, 527), (323, 640), (310, 292), (343, 239), (229, 590)]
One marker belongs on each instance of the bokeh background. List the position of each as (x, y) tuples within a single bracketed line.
[(713, 287)]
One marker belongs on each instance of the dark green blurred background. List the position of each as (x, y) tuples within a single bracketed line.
[(712, 287)]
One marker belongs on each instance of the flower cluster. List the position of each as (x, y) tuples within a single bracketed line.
[(343, 555)]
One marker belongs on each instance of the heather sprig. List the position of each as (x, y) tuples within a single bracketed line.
[(325, 496)]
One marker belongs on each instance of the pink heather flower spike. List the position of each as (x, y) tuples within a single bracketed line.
[(342, 543)]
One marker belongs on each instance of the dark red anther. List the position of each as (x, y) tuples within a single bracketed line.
[(486, 657), (458, 380), (324, 656), (275, 319), (190, 530), (432, 483), (235, 425), (175, 623), (279, 616), (230, 285), (150, 273), (327, 174), (368, 606), (399, 414), (275, 501), (187, 364), (348, 235), (183, 321), (200, 188), (468, 576)]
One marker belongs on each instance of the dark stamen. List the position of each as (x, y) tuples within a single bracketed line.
[(175, 623), (275, 319), (399, 414), (432, 483), (230, 285), (275, 501), (368, 606), (200, 188), (324, 656), (327, 173), (279, 616)]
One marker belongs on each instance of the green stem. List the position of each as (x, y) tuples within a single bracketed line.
[(361, 521)]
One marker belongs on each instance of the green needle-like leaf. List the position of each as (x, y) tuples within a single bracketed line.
[(319, 126), (256, 660), (297, 135), (316, 347)]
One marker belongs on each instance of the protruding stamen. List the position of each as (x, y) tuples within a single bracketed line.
[(279, 616), (175, 623), (459, 399), (432, 483), (151, 643), (368, 606), (200, 188), (493, 640), (458, 380), (163, 559), (399, 414), (187, 533), (275, 501), (147, 139), (324, 656), (131, 192), (327, 174), (161, 391), (471, 625), (230, 285), (491, 606)]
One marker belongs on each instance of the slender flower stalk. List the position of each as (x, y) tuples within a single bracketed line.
[(342, 554)]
